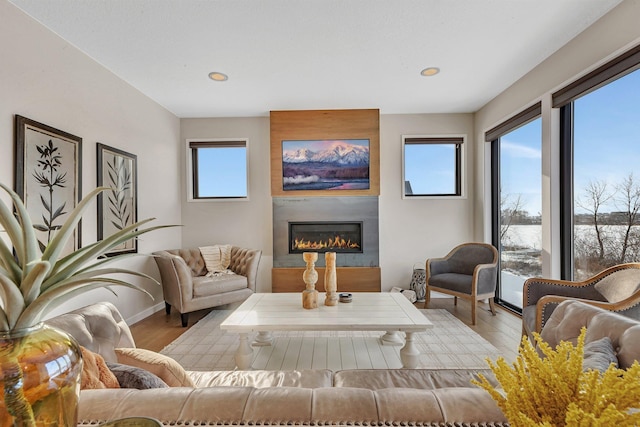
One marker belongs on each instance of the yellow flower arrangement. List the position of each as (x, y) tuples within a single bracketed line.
[(554, 390)]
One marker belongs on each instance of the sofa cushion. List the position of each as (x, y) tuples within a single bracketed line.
[(133, 377), (205, 286), (312, 378), (427, 379), (165, 367), (598, 355), (619, 285)]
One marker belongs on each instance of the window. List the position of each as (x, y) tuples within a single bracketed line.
[(218, 169), (516, 187), (600, 145), (432, 166)]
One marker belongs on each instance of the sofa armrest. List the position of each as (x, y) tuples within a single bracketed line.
[(245, 262), (486, 278), (177, 278), (98, 327)]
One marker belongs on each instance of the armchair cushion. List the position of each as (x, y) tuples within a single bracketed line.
[(453, 281), (619, 285), (205, 286)]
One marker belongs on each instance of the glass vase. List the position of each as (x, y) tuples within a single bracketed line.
[(40, 371)]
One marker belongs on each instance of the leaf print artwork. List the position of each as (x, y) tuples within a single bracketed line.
[(49, 177), (120, 177)]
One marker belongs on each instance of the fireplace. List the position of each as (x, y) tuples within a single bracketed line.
[(325, 236)]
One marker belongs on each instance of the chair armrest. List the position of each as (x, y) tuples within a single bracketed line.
[(245, 262), (177, 278), (485, 278), (536, 288)]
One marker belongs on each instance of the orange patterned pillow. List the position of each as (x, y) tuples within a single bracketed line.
[(95, 373)]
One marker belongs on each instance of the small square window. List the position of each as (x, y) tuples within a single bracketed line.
[(218, 169), (432, 166)]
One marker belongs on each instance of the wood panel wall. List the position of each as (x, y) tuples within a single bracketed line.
[(325, 124), (350, 279)]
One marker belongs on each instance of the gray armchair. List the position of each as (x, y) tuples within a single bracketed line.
[(615, 289), (469, 271), (186, 286)]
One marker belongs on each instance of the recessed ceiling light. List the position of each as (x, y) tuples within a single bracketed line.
[(430, 71), (218, 76)]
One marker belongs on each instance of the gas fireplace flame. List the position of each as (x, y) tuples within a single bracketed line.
[(336, 243)]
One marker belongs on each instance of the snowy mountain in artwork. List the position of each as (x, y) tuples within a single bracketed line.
[(338, 152)]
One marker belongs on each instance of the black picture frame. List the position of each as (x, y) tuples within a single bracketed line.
[(48, 177), (117, 207)]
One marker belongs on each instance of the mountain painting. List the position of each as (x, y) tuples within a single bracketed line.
[(325, 165)]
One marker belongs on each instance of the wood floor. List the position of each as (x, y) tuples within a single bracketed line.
[(502, 330)]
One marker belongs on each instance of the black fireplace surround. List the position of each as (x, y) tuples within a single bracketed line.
[(325, 236)]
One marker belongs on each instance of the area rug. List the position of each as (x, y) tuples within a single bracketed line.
[(449, 344)]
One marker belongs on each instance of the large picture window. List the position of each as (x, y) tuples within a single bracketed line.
[(432, 166), (218, 169), (600, 145), (517, 202)]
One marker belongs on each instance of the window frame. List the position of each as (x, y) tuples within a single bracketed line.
[(191, 147), (460, 141)]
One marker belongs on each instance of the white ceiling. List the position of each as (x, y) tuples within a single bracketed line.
[(318, 54)]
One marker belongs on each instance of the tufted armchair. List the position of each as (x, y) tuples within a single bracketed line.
[(615, 289), (469, 271), (186, 286)]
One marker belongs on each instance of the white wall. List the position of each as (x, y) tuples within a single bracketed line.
[(410, 230), (46, 79), (614, 33)]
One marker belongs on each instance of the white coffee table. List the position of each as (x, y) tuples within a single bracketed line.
[(369, 311)]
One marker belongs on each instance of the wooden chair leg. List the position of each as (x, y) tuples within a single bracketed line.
[(455, 300), (184, 317), (167, 307), (474, 306), (427, 297), (492, 306)]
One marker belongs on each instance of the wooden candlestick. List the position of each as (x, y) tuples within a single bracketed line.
[(330, 279), (310, 277)]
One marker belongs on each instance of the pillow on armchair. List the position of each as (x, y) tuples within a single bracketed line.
[(619, 285)]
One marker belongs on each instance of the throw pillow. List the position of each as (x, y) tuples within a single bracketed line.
[(216, 258), (165, 367), (133, 377), (598, 355), (619, 285), (95, 373)]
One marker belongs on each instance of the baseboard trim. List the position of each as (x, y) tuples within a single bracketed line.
[(145, 313)]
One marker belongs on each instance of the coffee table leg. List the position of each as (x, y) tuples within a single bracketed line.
[(409, 354), (392, 338), (263, 338), (244, 353)]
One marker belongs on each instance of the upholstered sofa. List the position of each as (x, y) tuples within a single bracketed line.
[(187, 286), (315, 397)]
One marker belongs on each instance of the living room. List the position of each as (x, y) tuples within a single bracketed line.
[(52, 82)]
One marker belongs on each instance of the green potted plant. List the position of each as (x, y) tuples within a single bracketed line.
[(39, 365)]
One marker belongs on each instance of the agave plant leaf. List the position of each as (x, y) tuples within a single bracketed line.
[(50, 299), (13, 303), (30, 286), (9, 266), (11, 225), (26, 234), (91, 273), (57, 244), (75, 261)]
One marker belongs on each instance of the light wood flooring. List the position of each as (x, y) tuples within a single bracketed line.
[(503, 330)]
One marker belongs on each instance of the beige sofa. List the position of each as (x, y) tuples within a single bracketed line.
[(318, 397), (186, 286)]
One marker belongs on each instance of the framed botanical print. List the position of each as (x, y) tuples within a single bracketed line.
[(48, 177), (118, 206)]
